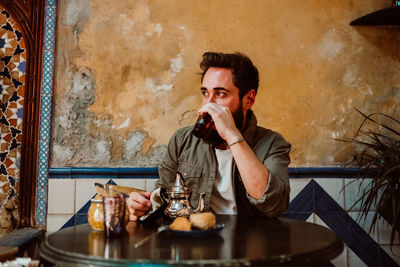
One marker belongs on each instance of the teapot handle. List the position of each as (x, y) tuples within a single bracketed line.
[(164, 195), (200, 208)]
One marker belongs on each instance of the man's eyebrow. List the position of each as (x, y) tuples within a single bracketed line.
[(220, 89), (215, 88)]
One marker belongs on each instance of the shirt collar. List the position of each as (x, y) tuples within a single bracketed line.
[(250, 132)]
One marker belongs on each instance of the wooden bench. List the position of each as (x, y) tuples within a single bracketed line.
[(16, 243)]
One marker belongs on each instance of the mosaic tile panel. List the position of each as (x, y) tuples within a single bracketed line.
[(12, 88), (51, 2), (51, 24), (45, 110)]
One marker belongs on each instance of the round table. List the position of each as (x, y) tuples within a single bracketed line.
[(243, 241), (7, 253)]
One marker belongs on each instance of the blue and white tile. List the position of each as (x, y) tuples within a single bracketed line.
[(50, 25), (365, 223), (45, 114), (43, 165), (340, 260), (61, 196), (41, 204), (47, 71), (353, 191), (334, 187), (51, 2), (55, 221), (150, 184), (47, 87), (353, 260), (48, 65), (135, 183), (394, 252), (296, 185), (385, 233), (319, 221), (85, 190), (311, 219)]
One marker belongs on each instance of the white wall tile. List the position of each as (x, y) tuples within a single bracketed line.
[(135, 183), (85, 190), (150, 184), (296, 185), (353, 260), (311, 219), (394, 252), (61, 196), (353, 191), (319, 221), (385, 232), (55, 222), (334, 187), (365, 223), (341, 260)]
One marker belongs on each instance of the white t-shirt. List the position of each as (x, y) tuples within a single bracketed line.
[(223, 194)]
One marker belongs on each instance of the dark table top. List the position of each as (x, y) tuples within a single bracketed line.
[(243, 241)]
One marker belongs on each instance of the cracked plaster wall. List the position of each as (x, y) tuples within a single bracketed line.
[(126, 73)]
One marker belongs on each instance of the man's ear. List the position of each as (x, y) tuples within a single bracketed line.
[(249, 98)]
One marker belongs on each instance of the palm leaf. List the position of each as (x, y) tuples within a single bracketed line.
[(379, 160), (368, 118)]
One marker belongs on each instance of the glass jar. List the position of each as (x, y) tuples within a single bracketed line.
[(96, 215)]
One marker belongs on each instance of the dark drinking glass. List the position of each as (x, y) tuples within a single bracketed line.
[(203, 125), (114, 215)]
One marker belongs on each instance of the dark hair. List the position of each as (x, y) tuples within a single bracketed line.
[(244, 73)]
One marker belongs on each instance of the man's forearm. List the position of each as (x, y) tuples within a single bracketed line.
[(254, 174)]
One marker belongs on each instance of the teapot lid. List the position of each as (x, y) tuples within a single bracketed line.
[(179, 185)]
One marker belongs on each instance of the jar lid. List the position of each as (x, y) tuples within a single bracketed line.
[(96, 200)]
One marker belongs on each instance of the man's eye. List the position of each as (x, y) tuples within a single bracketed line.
[(204, 93), (221, 94)]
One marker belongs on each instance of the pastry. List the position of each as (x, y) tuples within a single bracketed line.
[(203, 221), (181, 224)]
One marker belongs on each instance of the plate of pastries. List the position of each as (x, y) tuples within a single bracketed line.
[(197, 225)]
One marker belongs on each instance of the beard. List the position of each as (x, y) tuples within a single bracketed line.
[(212, 136)]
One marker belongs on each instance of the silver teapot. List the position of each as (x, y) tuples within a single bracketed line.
[(179, 204)]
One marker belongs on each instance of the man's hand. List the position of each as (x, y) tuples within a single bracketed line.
[(223, 120), (253, 172), (138, 205)]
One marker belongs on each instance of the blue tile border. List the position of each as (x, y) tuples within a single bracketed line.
[(50, 27), (314, 199), (45, 110), (152, 172), (51, 2)]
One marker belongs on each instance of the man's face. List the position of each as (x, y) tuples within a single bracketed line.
[(217, 87)]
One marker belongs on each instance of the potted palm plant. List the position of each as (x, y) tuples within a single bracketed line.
[(377, 157)]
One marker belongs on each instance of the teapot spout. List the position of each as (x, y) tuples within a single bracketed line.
[(200, 207)]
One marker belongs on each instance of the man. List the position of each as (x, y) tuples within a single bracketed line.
[(244, 168)]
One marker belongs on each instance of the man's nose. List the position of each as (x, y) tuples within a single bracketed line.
[(210, 99)]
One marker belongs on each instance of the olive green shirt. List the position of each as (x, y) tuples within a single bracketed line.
[(195, 160)]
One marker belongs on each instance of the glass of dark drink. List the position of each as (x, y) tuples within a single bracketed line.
[(114, 215), (203, 125)]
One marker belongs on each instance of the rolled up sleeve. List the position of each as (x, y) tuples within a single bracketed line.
[(275, 199)]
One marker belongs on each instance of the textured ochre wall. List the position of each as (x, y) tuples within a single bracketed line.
[(126, 73)]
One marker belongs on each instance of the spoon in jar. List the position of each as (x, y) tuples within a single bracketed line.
[(160, 229)]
